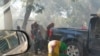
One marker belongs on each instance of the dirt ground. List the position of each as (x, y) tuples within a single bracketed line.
[(32, 54)]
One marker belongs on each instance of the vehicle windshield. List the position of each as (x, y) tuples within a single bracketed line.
[(38, 17), (65, 13), (68, 13)]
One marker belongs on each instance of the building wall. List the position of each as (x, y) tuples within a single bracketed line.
[(8, 19), (5, 15), (1, 21)]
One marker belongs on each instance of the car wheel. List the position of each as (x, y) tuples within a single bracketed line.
[(74, 49)]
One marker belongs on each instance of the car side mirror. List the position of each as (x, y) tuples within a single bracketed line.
[(13, 42)]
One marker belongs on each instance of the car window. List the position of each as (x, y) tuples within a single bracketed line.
[(3, 45), (67, 13), (7, 41), (63, 13)]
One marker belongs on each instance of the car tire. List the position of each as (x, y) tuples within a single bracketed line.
[(74, 49)]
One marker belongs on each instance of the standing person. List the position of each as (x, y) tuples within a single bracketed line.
[(49, 30), (57, 48), (37, 37)]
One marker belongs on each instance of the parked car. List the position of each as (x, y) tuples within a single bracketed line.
[(80, 42)]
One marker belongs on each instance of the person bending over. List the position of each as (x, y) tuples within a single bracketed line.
[(57, 48)]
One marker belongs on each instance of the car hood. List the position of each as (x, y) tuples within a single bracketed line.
[(69, 31)]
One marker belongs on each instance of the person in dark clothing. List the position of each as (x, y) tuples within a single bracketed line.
[(33, 29), (37, 37)]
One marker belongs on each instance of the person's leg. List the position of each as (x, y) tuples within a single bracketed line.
[(40, 41), (36, 47), (41, 44)]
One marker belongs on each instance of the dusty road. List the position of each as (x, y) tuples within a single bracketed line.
[(32, 54)]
